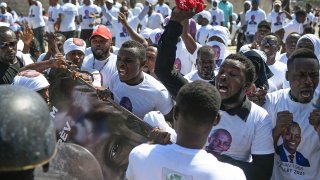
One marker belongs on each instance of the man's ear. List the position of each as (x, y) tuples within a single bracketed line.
[(217, 119), (287, 75)]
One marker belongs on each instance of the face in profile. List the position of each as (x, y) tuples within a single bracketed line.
[(98, 126), (219, 141)]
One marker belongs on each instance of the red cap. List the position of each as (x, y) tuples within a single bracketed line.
[(102, 31)]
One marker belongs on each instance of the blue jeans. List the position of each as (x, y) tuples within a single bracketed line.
[(38, 34)]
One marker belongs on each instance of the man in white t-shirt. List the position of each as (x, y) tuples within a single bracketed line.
[(217, 14), (196, 111), (253, 17), (114, 12), (206, 64), (36, 22), (296, 130), (276, 17), (153, 20), (68, 17), (53, 13), (89, 14), (270, 45), (163, 8), (135, 90), (311, 18), (122, 35), (204, 19), (100, 58), (5, 16), (296, 25), (251, 149)]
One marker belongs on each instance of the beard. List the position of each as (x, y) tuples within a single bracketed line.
[(100, 56), (235, 98)]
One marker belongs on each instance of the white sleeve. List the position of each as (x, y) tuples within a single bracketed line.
[(269, 18), (263, 142), (164, 102), (130, 171), (221, 16)]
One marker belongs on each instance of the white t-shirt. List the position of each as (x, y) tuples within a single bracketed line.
[(185, 62), (149, 95), (277, 20), (153, 21), (7, 18), (193, 76), (88, 14), (283, 58), (217, 16), (25, 58), (35, 16), (292, 26), (279, 73), (253, 18), (69, 12), (163, 9), (250, 137), (106, 67), (311, 18), (309, 147), (53, 13), (114, 12), (203, 33), (159, 162)]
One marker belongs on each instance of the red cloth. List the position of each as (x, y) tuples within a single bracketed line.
[(196, 5)]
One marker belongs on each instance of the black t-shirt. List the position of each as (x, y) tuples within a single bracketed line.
[(8, 72)]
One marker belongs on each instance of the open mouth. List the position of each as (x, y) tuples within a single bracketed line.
[(122, 72), (306, 93), (222, 88)]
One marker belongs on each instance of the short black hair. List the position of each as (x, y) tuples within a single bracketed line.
[(199, 100), (4, 30), (277, 37), (205, 49), (300, 12), (265, 24), (63, 38), (134, 44), (250, 69), (301, 53)]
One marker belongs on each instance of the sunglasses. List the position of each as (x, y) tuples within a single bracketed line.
[(270, 42), (5, 45)]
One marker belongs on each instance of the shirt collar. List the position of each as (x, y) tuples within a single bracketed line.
[(242, 112)]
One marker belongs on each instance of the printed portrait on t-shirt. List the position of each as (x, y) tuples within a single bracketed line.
[(288, 149), (278, 22), (252, 21), (86, 14), (219, 141), (214, 20), (108, 23), (177, 65), (124, 32), (217, 51), (126, 103), (169, 174)]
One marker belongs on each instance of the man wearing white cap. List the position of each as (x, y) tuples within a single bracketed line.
[(217, 14), (204, 20), (35, 81), (5, 16)]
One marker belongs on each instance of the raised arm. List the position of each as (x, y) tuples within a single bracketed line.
[(132, 33), (171, 79)]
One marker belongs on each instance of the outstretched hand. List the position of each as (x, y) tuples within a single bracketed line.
[(26, 35)]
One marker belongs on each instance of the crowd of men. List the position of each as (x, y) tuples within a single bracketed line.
[(249, 114)]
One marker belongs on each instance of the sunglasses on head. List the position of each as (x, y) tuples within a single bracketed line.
[(4, 45)]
